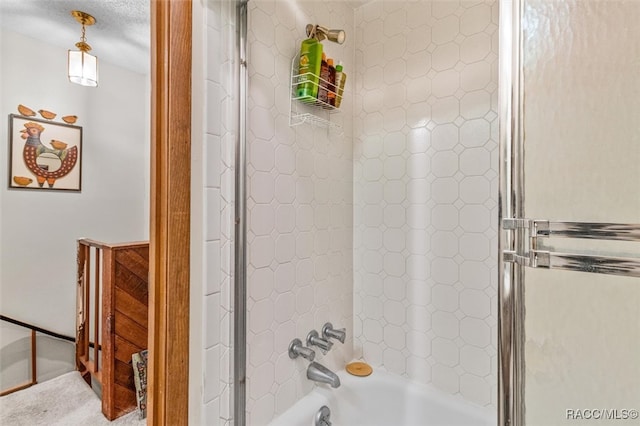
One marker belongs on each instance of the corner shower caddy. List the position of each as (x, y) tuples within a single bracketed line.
[(315, 112)]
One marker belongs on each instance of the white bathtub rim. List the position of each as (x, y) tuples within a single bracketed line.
[(322, 395)]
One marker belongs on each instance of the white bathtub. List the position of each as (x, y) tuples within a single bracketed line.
[(384, 399)]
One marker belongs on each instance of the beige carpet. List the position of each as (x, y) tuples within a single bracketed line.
[(63, 401)]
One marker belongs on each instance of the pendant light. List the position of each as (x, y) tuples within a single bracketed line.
[(83, 67)]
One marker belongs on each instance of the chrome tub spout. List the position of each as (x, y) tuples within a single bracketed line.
[(320, 373)]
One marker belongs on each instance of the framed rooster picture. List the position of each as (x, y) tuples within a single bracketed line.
[(44, 154)]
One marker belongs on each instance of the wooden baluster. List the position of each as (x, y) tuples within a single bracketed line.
[(34, 359), (87, 303), (96, 319)]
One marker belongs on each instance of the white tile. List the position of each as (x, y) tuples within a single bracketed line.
[(213, 165), (475, 76), (286, 395), (444, 190), (444, 298), (212, 315), (445, 351), (394, 167), (475, 360), (444, 163), (211, 373), (261, 251), (444, 217), (285, 159), (444, 271), (475, 303), (372, 330), (393, 48), (212, 412), (261, 347), (261, 316), (261, 187), (445, 324), (444, 244), (475, 246), (285, 307), (212, 250), (260, 382), (475, 104), (475, 190), (475, 332), (445, 110), (475, 389), (444, 136), (373, 170), (214, 110), (417, 63), (394, 216), (394, 361), (475, 161), (445, 83), (475, 48), (264, 406), (262, 25), (261, 59), (284, 278), (393, 95), (285, 248), (475, 218), (262, 219), (475, 274), (445, 378), (261, 155), (445, 30), (394, 191), (418, 39), (260, 283), (419, 344), (395, 71), (394, 313), (474, 133), (395, 23), (212, 214), (475, 19), (443, 8), (285, 218)]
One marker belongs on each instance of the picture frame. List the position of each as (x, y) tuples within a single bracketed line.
[(44, 155)]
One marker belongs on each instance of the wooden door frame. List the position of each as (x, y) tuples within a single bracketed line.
[(169, 257)]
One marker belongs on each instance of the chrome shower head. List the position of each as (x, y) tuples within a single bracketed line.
[(320, 33)]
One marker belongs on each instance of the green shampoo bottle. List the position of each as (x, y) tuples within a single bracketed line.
[(310, 61)]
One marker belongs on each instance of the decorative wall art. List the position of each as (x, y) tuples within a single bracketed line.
[(44, 154)]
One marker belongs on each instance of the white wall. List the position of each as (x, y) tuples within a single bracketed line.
[(39, 228), (299, 209), (425, 192), (582, 151)]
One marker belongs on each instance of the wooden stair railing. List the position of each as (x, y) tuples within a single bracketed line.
[(114, 308)]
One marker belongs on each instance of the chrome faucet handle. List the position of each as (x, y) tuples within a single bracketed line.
[(329, 332), (296, 349), (313, 338)]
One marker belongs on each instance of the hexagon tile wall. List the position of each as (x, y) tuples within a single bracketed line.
[(300, 209), (389, 228), (425, 192)]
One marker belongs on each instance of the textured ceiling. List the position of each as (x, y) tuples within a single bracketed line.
[(120, 36)]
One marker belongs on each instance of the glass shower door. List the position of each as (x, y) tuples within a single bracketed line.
[(576, 229)]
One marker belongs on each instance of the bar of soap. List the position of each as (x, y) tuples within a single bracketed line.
[(360, 369)]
